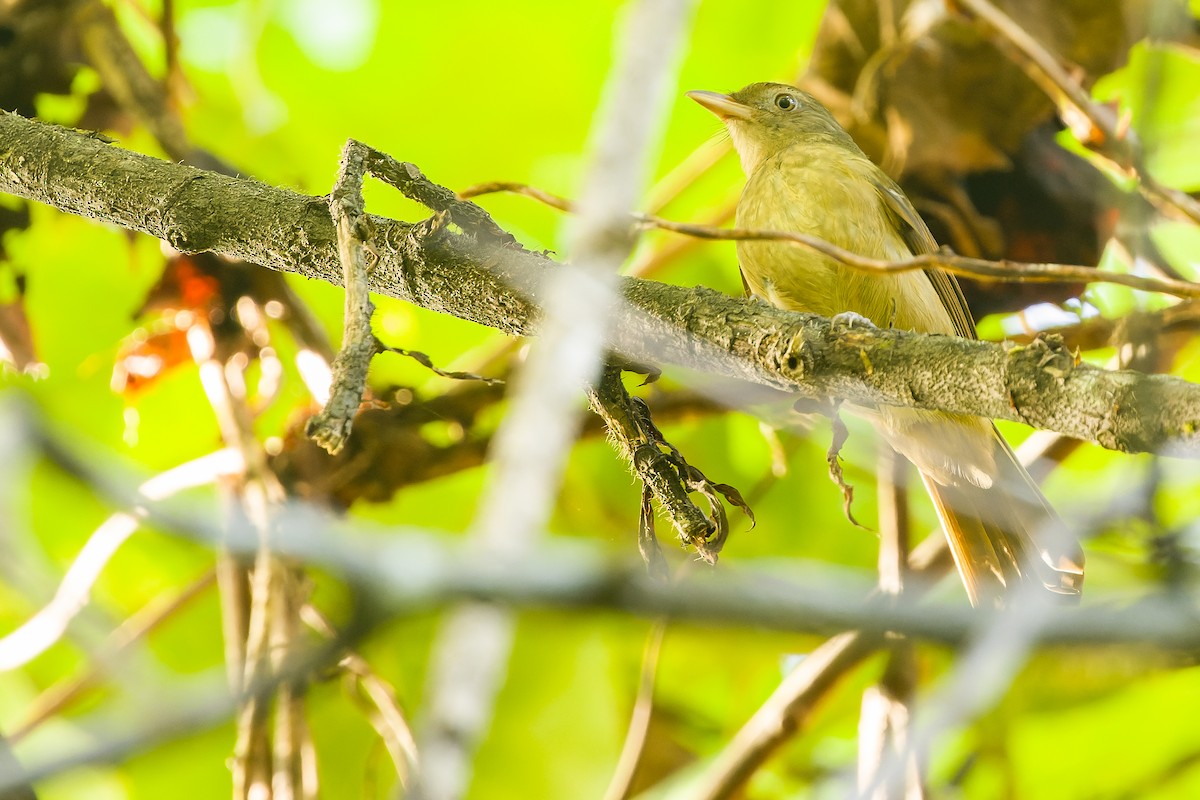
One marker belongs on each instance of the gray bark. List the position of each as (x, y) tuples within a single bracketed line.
[(477, 273)]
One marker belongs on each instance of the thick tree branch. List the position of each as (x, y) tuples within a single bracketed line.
[(478, 278)]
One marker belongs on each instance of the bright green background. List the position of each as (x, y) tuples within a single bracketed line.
[(506, 91)]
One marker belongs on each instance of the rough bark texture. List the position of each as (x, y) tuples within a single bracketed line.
[(484, 277)]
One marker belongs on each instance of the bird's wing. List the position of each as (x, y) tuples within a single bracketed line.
[(919, 240)]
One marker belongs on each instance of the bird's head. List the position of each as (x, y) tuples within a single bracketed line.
[(764, 118)]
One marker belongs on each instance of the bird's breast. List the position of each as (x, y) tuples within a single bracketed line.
[(828, 195)]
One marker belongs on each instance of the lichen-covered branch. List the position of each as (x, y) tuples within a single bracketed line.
[(658, 472), (495, 285)]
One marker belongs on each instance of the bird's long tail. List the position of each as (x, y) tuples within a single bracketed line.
[(1006, 534)]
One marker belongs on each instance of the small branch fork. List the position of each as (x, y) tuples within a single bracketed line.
[(978, 268), (666, 476), (331, 427)]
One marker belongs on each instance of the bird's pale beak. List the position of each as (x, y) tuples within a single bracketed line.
[(722, 105)]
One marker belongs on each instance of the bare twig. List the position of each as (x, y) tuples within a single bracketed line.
[(658, 471), (47, 625), (653, 261), (977, 268), (621, 784), (781, 716), (413, 184), (427, 362)]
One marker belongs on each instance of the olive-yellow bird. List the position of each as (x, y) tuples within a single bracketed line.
[(805, 174)]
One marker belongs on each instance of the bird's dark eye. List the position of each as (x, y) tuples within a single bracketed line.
[(786, 102)]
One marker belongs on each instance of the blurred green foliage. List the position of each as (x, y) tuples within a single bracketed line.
[(482, 91)]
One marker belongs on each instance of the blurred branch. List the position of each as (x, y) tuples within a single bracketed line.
[(47, 626), (127, 80), (13, 783), (530, 447), (184, 709), (1040, 385), (884, 723), (785, 711), (1093, 333), (409, 571), (388, 717), (782, 715), (148, 618), (621, 784)]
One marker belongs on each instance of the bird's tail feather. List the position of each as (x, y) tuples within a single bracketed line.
[(1007, 533)]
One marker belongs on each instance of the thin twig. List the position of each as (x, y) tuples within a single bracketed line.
[(653, 261), (636, 737), (427, 362), (1003, 270), (46, 626), (411, 182)]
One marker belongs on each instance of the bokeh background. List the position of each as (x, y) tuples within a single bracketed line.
[(481, 91)]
